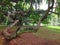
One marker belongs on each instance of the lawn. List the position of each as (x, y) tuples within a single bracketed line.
[(44, 36), (54, 28), (49, 32)]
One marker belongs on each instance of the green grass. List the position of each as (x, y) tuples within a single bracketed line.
[(2, 27), (48, 33), (54, 28)]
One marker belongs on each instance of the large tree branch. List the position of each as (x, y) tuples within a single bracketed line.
[(46, 13), (5, 32)]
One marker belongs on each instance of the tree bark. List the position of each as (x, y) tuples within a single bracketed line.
[(5, 32)]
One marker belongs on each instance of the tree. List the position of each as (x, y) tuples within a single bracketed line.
[(21, 11)]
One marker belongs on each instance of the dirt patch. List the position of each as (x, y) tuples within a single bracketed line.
[(30, 39)]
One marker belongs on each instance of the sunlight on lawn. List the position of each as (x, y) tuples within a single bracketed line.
[(54, 28)]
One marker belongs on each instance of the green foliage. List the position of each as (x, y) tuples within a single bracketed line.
[(58, 7), (24, 6), (46, 21), (34, 17), (2, 18)]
